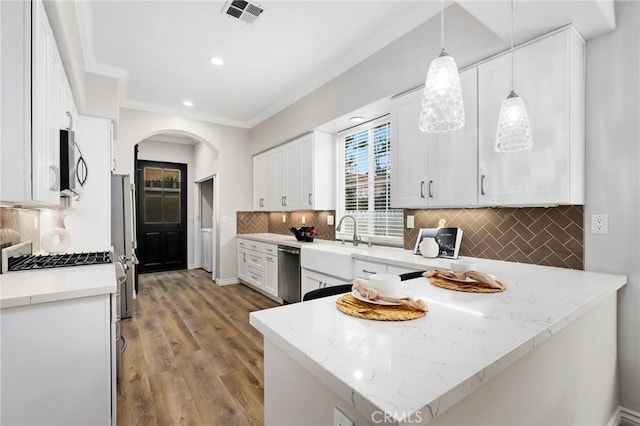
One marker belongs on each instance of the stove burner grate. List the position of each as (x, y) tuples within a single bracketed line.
[(31, 261)]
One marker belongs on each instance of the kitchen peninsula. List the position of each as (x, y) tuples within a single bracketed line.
[(542, 352)]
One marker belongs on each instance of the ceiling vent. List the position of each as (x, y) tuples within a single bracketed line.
[(242, 10)]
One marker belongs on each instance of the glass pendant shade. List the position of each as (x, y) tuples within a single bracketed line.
[(442, 107), (513, 133)]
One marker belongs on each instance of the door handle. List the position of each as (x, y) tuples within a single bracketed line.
[(285, 200), (430, 189), (421, 189), (310, 198), (482, 185)]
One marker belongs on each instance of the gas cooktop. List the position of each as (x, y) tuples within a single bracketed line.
[(29, 262)]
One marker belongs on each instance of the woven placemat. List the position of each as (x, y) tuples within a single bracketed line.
[(356, 308), (469, 288)]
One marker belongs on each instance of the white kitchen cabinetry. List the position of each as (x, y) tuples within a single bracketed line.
[(264, 181), (57, 362), (430, 169), (312, 280), (550, 78), (295, 176), (317, 159), (34, 83), (242, 259), (258, 265), (364, 269), (271, 269)]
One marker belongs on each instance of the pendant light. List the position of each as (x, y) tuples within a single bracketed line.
[(442, 107), (513, 132)]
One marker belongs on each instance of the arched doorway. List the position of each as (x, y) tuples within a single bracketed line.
[(163, 227)]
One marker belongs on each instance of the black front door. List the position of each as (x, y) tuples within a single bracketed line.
[(162, 215)]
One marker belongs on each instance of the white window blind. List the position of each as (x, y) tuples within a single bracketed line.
[(365, 183)]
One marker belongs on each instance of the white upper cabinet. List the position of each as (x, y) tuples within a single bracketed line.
[(317, 174), (549, 77), (35, 84), (434, 170), (295, 176)]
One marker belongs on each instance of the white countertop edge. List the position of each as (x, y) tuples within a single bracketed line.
[(460, 391), (433, 409), (354, 399)]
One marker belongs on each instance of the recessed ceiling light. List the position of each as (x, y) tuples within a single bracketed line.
[(187, 103), (357, 119), (216, 61)]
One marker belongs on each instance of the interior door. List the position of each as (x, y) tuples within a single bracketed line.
[(162, 216)]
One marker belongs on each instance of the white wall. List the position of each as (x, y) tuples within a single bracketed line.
[(232, 166), (152, 150), (401, 65), (612, 162)]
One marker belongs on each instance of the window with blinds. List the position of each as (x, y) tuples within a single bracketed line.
[(365, 184)]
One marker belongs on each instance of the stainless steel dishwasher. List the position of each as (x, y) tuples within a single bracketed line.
[(289, 274)]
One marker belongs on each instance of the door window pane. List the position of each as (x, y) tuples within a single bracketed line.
[(152, 208), (162, 195), (171, 207)]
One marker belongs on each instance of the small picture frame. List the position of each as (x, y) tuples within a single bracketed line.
[(449, 240), (424, 233)]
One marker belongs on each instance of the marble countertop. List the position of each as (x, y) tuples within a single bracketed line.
[(431, 363), (49, 285)]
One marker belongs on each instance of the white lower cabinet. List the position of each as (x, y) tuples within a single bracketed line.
[(258, 265), (364, 269), (242, 262), (312, 280), (271, 273), (57, 363)]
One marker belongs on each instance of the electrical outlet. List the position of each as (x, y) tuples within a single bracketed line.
[(304, 220), (284, 218), (340, 418), (410, 221), (330, 220), (599, 223)]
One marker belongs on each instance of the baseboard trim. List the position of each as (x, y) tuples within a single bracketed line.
[(626, 414), (227, 281)]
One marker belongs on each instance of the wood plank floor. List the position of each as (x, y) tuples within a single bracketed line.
[(192, 356)]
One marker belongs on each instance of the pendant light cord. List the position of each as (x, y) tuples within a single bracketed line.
[(512, 45), (442, 24)]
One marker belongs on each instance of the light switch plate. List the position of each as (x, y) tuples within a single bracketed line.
[(599, 223), (303, 219), (330, 220), (340, 418), (410, 221), (284, 218)]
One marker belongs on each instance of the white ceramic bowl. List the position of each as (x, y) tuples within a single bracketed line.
[(387, 284), (463, 266)]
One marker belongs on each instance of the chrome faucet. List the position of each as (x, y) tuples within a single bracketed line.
[(356, 238)]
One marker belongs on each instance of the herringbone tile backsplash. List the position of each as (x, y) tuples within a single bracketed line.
[(261, 222), (542, 236)]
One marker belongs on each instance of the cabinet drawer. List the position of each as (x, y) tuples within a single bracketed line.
[(255, 277), (271, 249), (243, 243), (363, 269), (399, 270), (256, 246), (255, 260)]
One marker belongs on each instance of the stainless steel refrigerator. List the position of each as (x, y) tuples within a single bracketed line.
[(123, 236)]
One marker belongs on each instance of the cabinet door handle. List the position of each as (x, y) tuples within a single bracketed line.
[(309, 198), (430, 189), (282, 201), (53, 178), (368, 272), (482, 185), (261, 202), (70, 117), (421, 189), (244, 257), (285, 200)]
